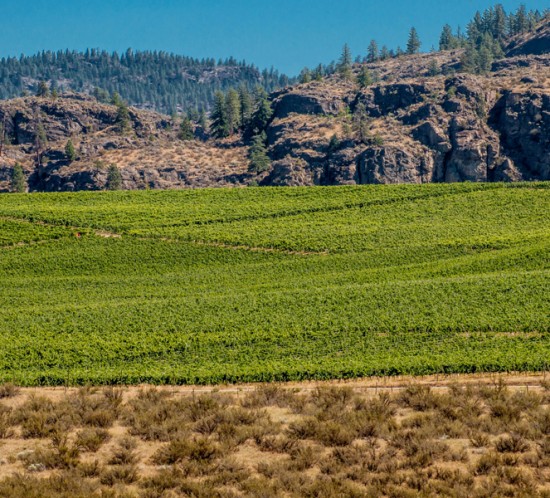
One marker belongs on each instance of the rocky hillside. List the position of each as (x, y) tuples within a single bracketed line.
[(409, 126)]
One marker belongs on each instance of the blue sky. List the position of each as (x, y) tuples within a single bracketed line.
[(288, 34)]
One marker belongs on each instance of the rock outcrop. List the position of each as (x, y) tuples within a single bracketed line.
[(407, 127)]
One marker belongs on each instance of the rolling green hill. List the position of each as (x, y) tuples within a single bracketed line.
[(209, 286)]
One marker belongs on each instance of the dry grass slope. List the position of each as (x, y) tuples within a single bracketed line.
[(477, 437)]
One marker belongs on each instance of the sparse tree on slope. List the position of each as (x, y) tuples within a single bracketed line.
[(186, 131), (232, 111), (18, 181), (70, 152), (345, 63), (413, 45), (259, 160), (114, 178), (218, 118), (372, 52)]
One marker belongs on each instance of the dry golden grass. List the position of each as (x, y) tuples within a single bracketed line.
[(471, 437)]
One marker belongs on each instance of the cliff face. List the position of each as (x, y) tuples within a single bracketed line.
[(408, 127), (428, 129)]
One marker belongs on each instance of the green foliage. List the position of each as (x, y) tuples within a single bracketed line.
[(18, 181), (372, 52), (70, 151), (43, 90), (263, 112), (413, 44), (114, 178), (123, 114), (365, 77), (232, 111), (218, 118), (186, 131), (305, 75), (167, 82), (345, 63), (274, 284), (259, 160)]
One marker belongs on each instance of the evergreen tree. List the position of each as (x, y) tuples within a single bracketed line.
[(333, 145), (305, 75), (245, 100), (413, 45), (186, 131), (319, 73), (232, 111), (114, 178), (259, 160), (18, 181), (384, 53), (365, 78), (262, 114), (447, 40), (123, 117), (469, 60), (345, 63), (70, 152), (360, 123), (433, 68), (372, 52), (203, 120), (43, 90), (218, 125)]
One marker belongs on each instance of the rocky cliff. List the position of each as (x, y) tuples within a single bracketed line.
[(410, 126)]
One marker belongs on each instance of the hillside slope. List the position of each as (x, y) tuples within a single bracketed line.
[(407, 127)]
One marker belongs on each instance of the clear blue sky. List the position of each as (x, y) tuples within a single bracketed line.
[(288, 34)]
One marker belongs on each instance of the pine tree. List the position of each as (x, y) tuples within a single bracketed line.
[(123, 117), (319, 73), (245, 100), (203, 120), (360, 123), (43, 90), (114, 178), (262, 114), (218, 125), (305, 75), (259, 160), (186, 131), (413, 45), (372, 52), (469, 61), (232, 111), (18, 181), (365, 78), (70, 152), (384, 53), (433, 68), (447, 39), (345, 63)]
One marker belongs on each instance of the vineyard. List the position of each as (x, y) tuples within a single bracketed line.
[(213, 286)]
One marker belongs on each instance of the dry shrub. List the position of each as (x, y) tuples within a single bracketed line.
[(303, 457), (332, 399), (5, 423), (60, 455), (119, 474), (198, 450), (8, 390), (276, 443), (91, 439), (40, 417), (418, 397), (487, 463), (63, 485), (267, 395), (124, 453), (511, 444)]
